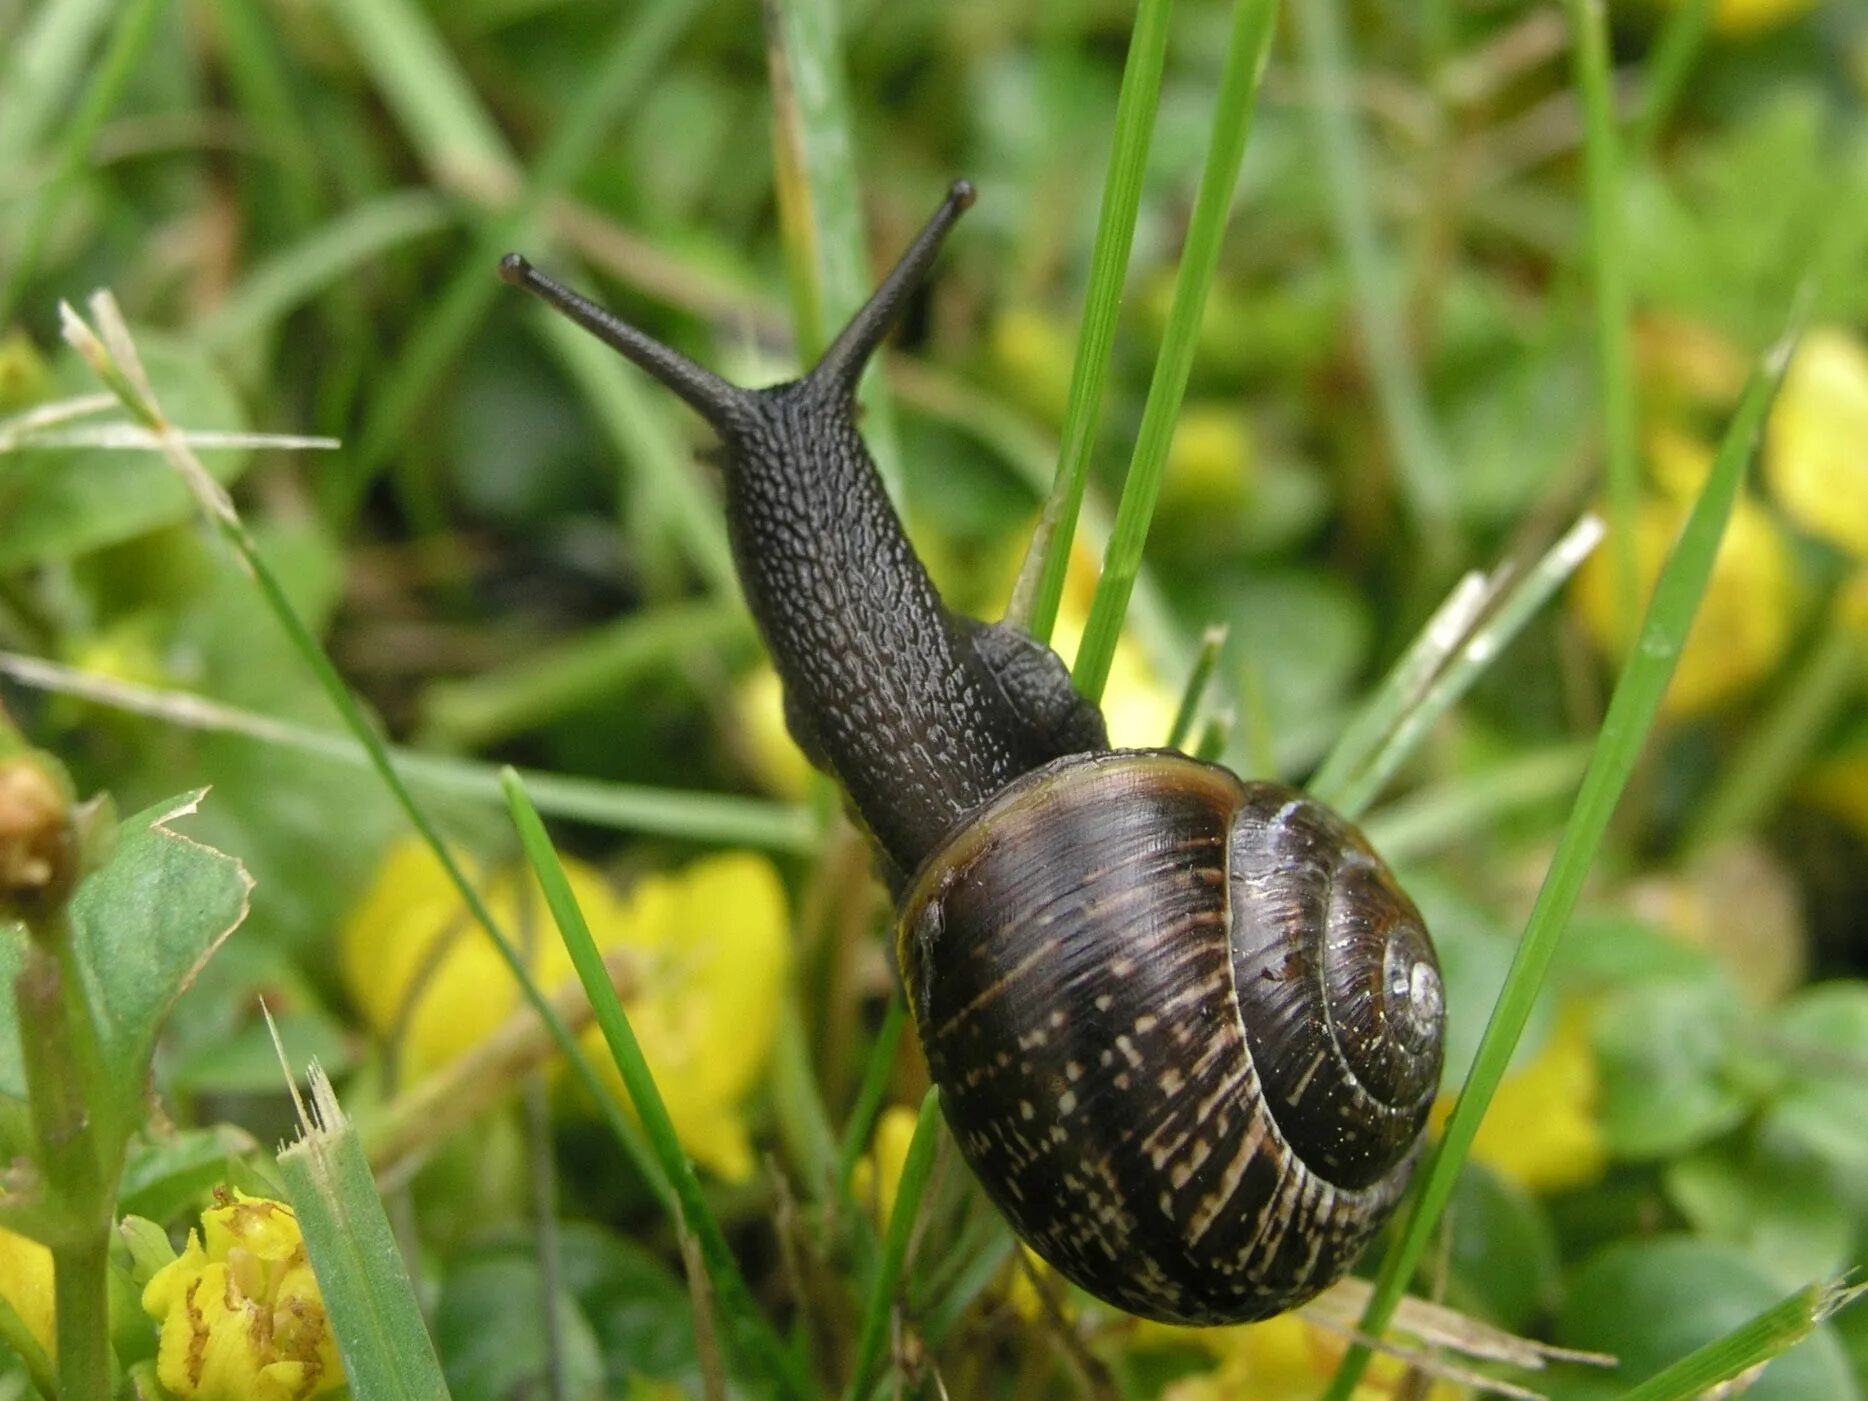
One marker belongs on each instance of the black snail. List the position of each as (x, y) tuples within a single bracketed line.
[(1186, 1028)]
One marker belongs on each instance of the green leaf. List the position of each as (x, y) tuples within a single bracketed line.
[(1503, 1256), (641, 1312), (1782, 1207), (162, 1178), (58, 503), (1821, 1035), (145, 925), (490, 1326), (142, 928), (1670, 1057), (1652, 1302)]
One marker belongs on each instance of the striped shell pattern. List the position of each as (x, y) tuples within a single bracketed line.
[(1187, 1029)]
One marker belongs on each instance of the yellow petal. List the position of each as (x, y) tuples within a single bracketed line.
[(26, 1285), (1816, 444), (764, 742), (1543, 1130), (1745, 620), (249, 1325)]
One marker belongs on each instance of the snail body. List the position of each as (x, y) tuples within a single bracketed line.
[(1186, 1028)]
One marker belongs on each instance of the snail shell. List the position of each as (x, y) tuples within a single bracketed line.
[(1186, 1028)]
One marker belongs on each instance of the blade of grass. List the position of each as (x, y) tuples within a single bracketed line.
[(1425, 475), (820, 200), (136, 24), (1608, 273), (374, 1314), (1427, 821), (38, 70), (692, 1214), (915, 1169), (634, 53), (1247, 49), (1669, 62), (870, 1093), (1402, 687), (283, 282), (1775, 749), (1631, 713), (1771, 1334), (256, 70), (410, 65), (717, 819), (641, 432), (112, 356), (1212, 641), (1102, 302), (555, 680), (1487, 640)]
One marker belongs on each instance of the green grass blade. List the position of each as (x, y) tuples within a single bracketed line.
[(915, 1170), (1775, 749), (39, 67), (1401, 689), (1770, 1334), (1212, 642), (1669, 63), (820, 197), (282, 283), (1427, 821), (631, 58), (112, 356), (1102, 302), (1249, 46), (136, 25), (407, 60), (374, 1314), (1631, 713), (717, 819), (870, 1094), (556, 680), (639, 428), (692, 1214), (1425, 475), (1487, 641), (1608, 271)]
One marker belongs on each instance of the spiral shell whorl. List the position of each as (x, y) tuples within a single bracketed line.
[(1072, 957)]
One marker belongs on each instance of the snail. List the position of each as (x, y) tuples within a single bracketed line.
[(1186, 1028)]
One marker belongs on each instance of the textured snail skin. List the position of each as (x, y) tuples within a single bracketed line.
[(1186, 1029)]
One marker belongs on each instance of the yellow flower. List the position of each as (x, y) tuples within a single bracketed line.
[(1839, 785), (1816, 444), (1283, 1359), (1744, 621), (765, 743), (1209, 463), (712, 943), (241, 1316), (1542, 1130), (1034, 356), (1743, 18), (1690, 364), (879, 1172), (26, 1285)]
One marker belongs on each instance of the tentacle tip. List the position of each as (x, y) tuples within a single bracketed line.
[(961, 195), (514, 269)]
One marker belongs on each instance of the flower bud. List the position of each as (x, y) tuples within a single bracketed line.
[(38, 841)]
